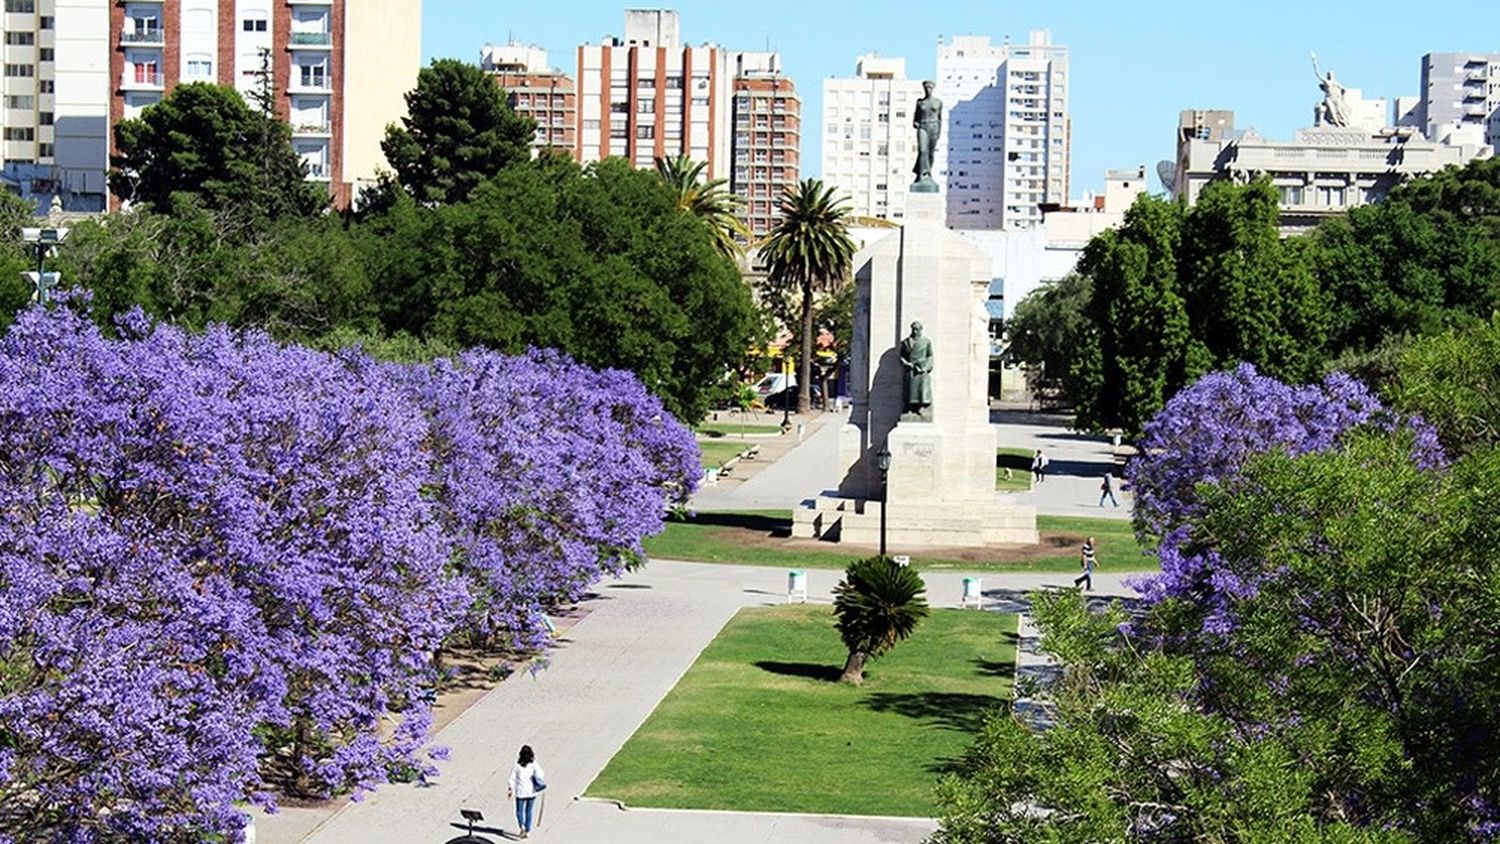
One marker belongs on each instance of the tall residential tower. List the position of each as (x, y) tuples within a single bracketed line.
[(55, 118), (1460, 96), (302, 51), (868, 146), (1007, 131)]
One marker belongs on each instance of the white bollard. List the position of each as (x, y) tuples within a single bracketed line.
[(972, 592), (796, 585)]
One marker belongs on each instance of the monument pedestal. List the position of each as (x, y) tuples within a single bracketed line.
[(941, 483)]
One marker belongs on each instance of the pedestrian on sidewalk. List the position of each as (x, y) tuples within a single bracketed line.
[(1039, 467), (1087, 561), (1107, 490), (526, 782)]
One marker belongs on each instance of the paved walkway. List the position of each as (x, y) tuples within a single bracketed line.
[(1078, 461), (607, 676)]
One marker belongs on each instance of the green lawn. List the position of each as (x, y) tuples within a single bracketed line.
[(760, 723), (717, 430), (759, 538), (1018, 461), (716, 452)]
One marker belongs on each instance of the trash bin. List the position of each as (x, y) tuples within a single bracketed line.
[(796, 585), (972, 592)]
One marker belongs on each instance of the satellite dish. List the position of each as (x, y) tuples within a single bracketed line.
[(1167, 172)]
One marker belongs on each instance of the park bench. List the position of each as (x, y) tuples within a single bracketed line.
[(752, 452)]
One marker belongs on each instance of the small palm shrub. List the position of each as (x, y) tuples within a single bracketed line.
[(877, 604)]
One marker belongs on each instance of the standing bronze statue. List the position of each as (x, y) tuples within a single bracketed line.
[(916, 359), (927, 118)]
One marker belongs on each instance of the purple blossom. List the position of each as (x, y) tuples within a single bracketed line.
[(226, 563)]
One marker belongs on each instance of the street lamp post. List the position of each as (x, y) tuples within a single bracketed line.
[(43, 240), (883, 463)]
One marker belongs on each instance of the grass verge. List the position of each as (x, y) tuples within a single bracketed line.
[(716, 452), (1018, 462), (762, 538), (718, 430), (760, 723)]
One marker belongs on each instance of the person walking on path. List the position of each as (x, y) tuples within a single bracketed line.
[(1087, 561), (1039, 467), (526, 782), (1107, 490)]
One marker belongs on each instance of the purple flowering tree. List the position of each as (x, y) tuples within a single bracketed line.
[(226, 564), (549, 474), (1205, 436)]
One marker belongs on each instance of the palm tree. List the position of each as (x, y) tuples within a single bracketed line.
[(877, 605), (810, 251), (707, 200)]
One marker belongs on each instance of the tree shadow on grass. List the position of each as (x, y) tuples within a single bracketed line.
[(947, 710), (774, 526), (1002, 669), (963, 713), (810, 670)]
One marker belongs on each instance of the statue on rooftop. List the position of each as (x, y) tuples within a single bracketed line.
[(1334, 110)]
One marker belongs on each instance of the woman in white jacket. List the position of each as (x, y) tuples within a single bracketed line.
[(526, 780)]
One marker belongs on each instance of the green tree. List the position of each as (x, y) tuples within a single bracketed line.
[(1452, 380), (1343, 690), (458, 132), (707, 199), (1249, 295), (809, 252), (1050, 330), (203, 141), (875, 606), (595, 262), (1138, 310), (1425, 260)]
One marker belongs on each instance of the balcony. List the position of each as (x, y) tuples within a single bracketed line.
[(309, 2), (311, 39), (154, 36), (312, 128), (142, 80), (320, 83)]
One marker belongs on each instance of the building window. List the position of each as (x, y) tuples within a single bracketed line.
[(46, 86), (17, 133), (22, 6), (200, 68), (46, 150), (23, 101), (1291, 195), (20, 39), (645, 132), (255, 24), (21, 70), (46, 54), (44, 118)]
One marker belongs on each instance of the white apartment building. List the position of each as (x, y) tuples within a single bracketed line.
[(868, 140), (1007, 147), (1460, 98), (646, 95), (55, 119)]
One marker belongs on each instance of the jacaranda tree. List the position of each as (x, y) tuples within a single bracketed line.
[(227, 564)]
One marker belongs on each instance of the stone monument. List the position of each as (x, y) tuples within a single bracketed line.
[(923, 395)]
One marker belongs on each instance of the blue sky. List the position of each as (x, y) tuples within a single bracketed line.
[(1134, 64)]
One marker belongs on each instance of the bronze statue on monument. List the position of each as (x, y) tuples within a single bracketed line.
[(927, 119)]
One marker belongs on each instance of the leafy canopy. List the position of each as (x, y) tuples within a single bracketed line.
[(205, 142), (458, 132)]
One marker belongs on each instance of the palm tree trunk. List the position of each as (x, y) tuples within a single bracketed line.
[(854, 669), (804, 366)]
